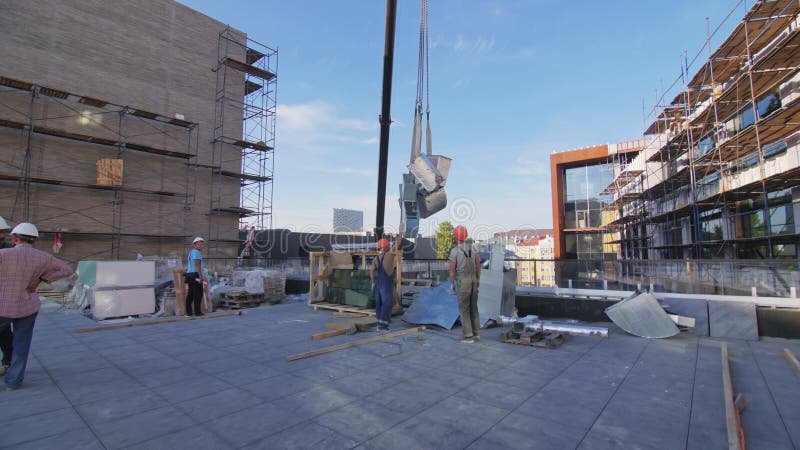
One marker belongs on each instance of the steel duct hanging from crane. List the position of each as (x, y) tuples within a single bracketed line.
[(422, 192)]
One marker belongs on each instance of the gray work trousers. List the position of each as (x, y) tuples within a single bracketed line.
[(467, 293)]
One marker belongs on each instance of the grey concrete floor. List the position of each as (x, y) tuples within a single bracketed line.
[(224, 383)]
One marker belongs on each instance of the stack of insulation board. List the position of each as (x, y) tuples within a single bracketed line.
[(118, 288)]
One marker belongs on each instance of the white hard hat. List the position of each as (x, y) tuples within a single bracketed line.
[(3, 224), (25, 228), (198, 239)]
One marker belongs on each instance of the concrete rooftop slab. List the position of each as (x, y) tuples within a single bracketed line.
[(224, 383)]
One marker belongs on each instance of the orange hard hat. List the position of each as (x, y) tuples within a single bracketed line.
[(460, 233), (383, 243)]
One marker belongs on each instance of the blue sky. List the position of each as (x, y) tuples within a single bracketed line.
[(511, 81)]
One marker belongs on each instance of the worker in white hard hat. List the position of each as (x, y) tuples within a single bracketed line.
[(195, 277), (22, 268), (6, 337)]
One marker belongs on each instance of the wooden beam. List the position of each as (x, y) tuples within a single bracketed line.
[(353, 344), (158, 322), (732, 419), (792, 361), (327, 334)]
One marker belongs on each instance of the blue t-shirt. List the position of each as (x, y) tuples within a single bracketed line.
[(195, 255)]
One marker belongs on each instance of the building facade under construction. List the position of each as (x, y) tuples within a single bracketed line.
[(717, 175), (127, 131)]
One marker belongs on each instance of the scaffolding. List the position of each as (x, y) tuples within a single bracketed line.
[(66, 153), (242, 159), (714, 178)]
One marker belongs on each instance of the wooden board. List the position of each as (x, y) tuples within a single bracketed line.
[(792, 361), (343, 308), (732, 419), (158, 321), (327, 334), (109, 172), (353, 343)]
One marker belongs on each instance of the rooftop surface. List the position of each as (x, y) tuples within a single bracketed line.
[(224, 383)]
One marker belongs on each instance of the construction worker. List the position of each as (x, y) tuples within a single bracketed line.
[(195, 277), (384, 266), (22, 268), (6, 336), (465, 275)]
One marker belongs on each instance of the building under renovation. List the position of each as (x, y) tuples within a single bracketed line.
[(717, 174), (130, 130)]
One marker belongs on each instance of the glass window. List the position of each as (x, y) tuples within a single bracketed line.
[(781, 220), (747, 117), (784, 251), (705, 145), (753, 224), (769, 103), (774, 149)]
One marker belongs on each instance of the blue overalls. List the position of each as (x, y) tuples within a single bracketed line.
[(384, 294)]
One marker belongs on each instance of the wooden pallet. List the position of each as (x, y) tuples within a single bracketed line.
[(239, 305), (243, 296), (343, 308), (539, 340)]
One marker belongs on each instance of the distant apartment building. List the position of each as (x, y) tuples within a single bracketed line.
[(348, 221), (536, 266), (513, 237)]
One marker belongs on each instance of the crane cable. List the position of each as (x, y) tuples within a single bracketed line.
[(423, 86)]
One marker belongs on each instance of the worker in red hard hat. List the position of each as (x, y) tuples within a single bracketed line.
[(465, 275), (383, 273)]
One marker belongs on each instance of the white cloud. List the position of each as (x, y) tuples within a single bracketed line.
[(369, 141), (480, 44), (315, 124)]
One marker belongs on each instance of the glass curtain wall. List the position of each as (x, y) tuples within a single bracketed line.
[(583, 210)]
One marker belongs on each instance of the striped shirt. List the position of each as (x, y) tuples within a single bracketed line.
[(21, 267)]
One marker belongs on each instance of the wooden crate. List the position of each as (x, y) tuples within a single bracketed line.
[(321, 268), (109, 172)]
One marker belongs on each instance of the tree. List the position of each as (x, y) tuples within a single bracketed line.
[(444, 240)]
